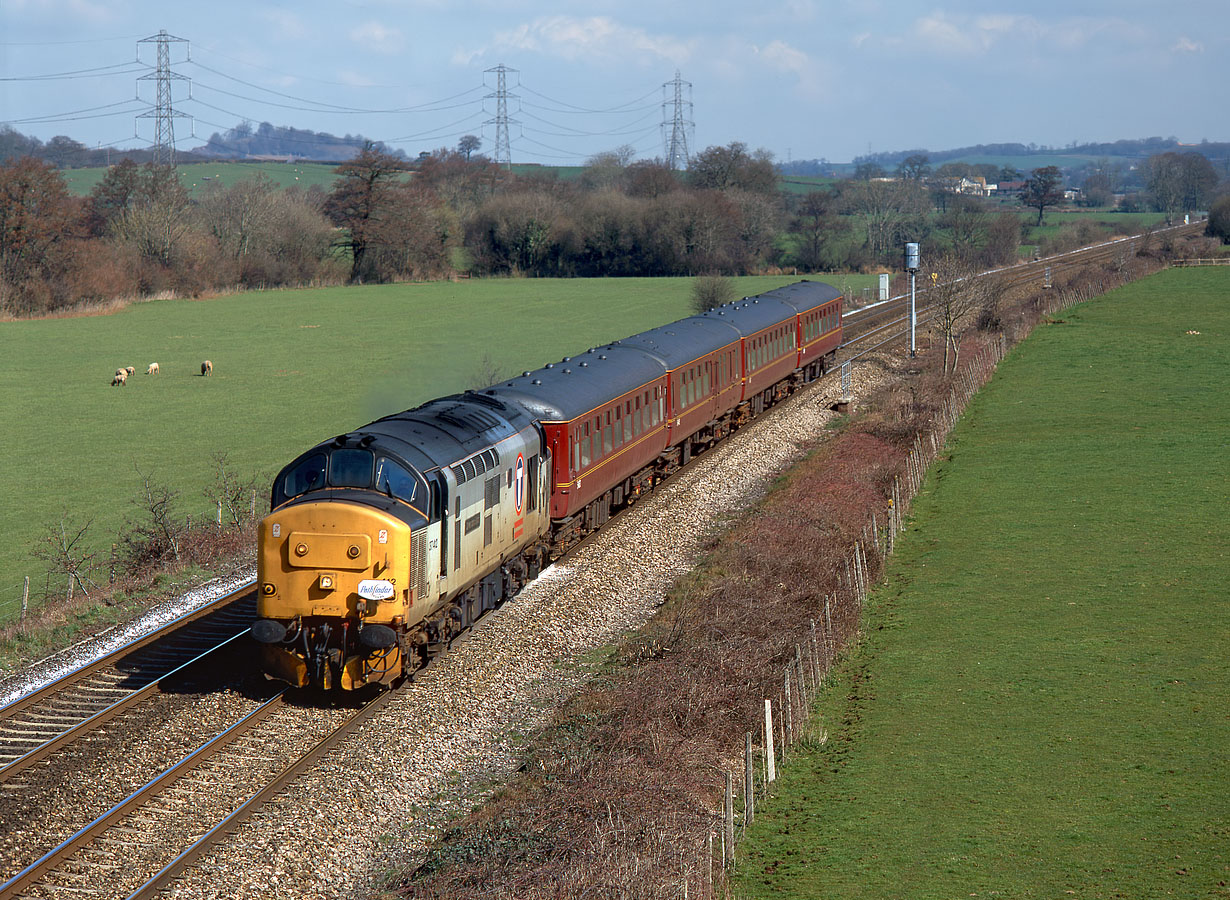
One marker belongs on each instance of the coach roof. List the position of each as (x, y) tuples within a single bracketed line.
[(563, 391)]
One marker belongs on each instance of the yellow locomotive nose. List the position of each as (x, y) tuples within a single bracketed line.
[(314, 557)]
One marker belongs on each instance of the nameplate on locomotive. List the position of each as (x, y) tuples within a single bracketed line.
[(376, 589)]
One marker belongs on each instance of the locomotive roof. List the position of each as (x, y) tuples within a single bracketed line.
[(562, 391), (441, 432)]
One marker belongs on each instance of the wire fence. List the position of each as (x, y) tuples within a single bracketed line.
[(789, 718), (19, 598)]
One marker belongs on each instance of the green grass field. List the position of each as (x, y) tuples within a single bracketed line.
[(1038, 708), (290, 368), (196, 176)]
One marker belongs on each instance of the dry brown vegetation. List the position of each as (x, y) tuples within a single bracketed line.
[(619, 796)]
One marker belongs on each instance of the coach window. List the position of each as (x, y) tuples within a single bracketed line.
[(585, 448), (607, 444)]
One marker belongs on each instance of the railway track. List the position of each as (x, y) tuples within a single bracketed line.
[(37, 724), (873, 326), (140, 844), (146, 821)]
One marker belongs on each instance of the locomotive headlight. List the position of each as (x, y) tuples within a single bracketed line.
[(353, 551), (326, 582), (301, 549), (269, 588)]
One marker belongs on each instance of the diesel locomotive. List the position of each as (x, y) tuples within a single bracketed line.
[(384, 543)]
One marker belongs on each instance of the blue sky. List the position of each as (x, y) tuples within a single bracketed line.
[(801, 78)]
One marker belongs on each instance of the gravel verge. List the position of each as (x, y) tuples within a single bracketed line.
[(446, 740)]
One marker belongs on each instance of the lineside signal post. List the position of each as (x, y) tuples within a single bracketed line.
[(911, 266)]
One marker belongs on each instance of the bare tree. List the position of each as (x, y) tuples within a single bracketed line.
[(815, 223), (914, 167), (732, 166), (230, 492), (359, 199), (62, 547), (1179, 182), (488, 372), (36, 219), (234, 214), (711, 291), (889, 210), (469, 144), (956, 298), (966, 220), (155, 222), (157, 534)]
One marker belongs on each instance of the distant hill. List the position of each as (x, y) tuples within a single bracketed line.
[(1020, 156), (267, 141)]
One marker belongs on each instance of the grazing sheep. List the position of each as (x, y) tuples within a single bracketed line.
[(207, 368), (121, 377), (123, 372), (152, 370), (130, 371)]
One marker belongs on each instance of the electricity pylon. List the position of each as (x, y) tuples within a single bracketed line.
[(675, 132), (163, 114)]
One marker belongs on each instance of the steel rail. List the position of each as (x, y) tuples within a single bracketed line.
[(70, 678), (104, 716), (52, 858), (240, 814)]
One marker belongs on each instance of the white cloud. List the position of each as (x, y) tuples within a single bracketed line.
[(285, 25), (571, 38), (781, 56), (1186, 45), (973, 35), (378, 37)]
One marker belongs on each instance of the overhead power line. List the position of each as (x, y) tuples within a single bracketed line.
[(543, 117)]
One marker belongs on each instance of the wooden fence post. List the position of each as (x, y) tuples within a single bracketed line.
[(25, 601), (786, 711), (728, 839), (749, 784), (768, 742), (709, 867)]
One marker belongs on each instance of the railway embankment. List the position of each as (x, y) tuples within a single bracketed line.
[(624, 792), (566, 741), (1037, 706)]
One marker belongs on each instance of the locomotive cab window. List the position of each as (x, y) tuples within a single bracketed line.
[(350, 468), (393, 478), (307, 476)]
